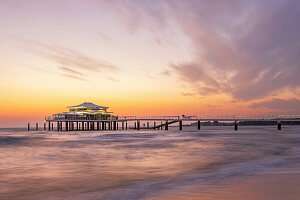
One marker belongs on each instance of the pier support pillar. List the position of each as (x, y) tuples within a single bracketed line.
[(278, 125), (57, 126), (77, 124), (161, 126), (154, 125), (134, 125), (235, 126), (49, 125), (126, 125), (122, 125), (28, 126), (52, 126), (138, 125), (115, 125), (166, 126), (103, 125), (37, 126), (44, 126), (147, 125), (67, 126), (199, 125), (180, 125)]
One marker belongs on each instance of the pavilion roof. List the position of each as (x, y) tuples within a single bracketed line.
[(88, 105)]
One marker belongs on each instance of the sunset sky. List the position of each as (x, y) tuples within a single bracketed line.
[(149, 57)]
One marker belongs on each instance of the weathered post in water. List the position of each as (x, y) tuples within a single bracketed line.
[(138, 125), (67, 126), (28, 126), (52, 126), (44, 126), (115, 125), (278, 125), (147, 125), (235, 125), (37, 126), (154, 125), (126, 125), (180, 125), (57, 126), (166, 125), (49, 125), (199, 125)]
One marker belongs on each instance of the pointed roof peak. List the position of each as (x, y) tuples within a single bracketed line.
[(88, 105)]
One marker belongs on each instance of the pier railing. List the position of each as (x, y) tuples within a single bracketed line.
[(183, 117)]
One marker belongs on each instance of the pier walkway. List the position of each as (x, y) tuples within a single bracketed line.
[(160, 122)]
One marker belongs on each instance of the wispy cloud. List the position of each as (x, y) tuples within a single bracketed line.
[(74, 77), (291, 105), (66, 57), (68, 70)]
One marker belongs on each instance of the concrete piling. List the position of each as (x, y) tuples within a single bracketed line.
[(138, 125), (278, 125), (180, 125)]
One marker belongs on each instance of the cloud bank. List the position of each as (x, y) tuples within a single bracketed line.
[(246, 49)]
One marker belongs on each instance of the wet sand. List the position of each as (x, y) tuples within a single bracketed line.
[(279, 184)]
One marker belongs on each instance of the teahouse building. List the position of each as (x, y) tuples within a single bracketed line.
[(85, 111)]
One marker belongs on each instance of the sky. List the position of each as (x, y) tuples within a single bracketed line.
[(149, 57)]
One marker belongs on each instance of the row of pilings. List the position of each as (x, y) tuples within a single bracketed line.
[(114, 125)]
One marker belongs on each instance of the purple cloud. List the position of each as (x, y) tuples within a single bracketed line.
[(247, 49)]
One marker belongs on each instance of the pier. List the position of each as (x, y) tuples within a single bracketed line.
[(160, 122), (90, 117)]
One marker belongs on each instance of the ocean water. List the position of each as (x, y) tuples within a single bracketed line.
[(138, 164)]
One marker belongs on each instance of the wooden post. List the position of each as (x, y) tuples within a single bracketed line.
[(161, 125), (98, 126), (180, 125), (126, 125), (49, 127), (235, 126), (28, 126), (122, 125), (67, 126), (77, 124), (199, 125), (278, 125), (115, 125), (37, 126), (134, 125), (154, 125), (88, 126), (52, 126), (103, 125), (166, 125), (44, 126), (57, 126), (82, 126), (147, 125), (138, 125)]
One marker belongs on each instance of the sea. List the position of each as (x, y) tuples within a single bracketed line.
[(190, 164)]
